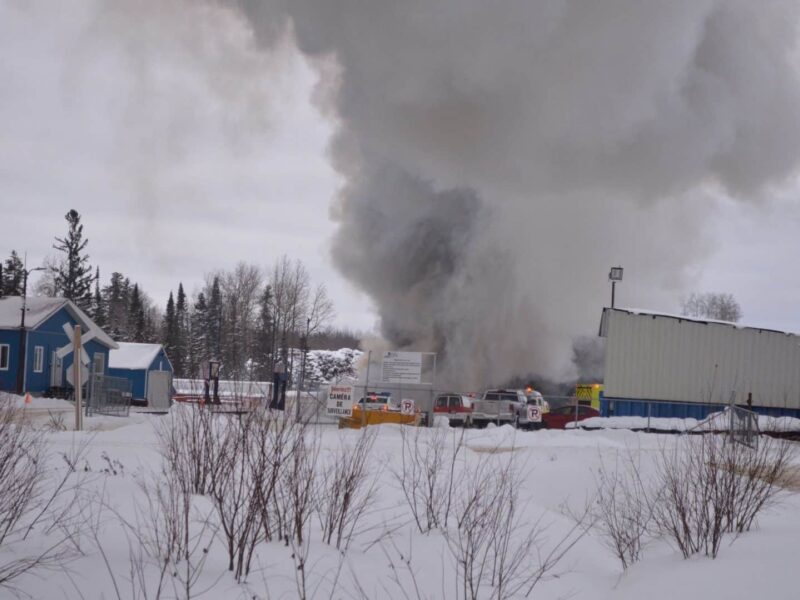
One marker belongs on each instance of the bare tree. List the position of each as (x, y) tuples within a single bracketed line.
[(721, 307), (35, 495)]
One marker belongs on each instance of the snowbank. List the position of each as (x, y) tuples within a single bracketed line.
[(719, 421)]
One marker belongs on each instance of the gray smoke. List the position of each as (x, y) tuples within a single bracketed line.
[(500, 156)]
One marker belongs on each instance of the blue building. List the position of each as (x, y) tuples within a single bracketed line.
[(148, 368), (44, 346)]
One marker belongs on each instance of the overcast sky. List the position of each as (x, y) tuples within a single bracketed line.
[(177, 174), (167, 169)]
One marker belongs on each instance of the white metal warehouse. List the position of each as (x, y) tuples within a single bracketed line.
[(675, 366)]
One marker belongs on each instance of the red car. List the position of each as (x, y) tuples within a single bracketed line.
[(557, 418)]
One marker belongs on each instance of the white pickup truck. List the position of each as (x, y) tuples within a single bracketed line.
[(509, 406)]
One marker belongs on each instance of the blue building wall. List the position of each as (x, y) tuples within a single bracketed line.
[(627, 407), (138, 377), (8, 376), (50, 337)]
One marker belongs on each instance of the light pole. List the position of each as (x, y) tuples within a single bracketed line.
[(22, 337), (302, 380), (614, 276)]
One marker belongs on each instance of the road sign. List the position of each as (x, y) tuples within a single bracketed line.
[(340, 401), (407, 406), (402, 367), (534, 414)]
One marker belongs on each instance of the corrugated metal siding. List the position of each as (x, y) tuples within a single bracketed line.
[(663, 358)]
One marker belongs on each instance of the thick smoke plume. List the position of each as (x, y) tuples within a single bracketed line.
[(500, 156)]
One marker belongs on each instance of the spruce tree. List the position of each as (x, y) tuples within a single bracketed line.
[(13, 276), (137, 323), (198, 338), (181, 334), (214, 321), (98, 306), (115, 303), (262, 353), (169, 331), (74, 276)]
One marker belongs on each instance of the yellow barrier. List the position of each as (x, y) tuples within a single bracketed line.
[(377, 417)]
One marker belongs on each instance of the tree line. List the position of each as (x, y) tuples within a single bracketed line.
[(247, 318)]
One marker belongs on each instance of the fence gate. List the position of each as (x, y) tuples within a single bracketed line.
[(109, 396)]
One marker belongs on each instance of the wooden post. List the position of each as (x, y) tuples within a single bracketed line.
[(76, 377)]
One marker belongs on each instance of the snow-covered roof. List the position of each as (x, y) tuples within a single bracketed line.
[(655, 313), (133, 356), (38, 309)]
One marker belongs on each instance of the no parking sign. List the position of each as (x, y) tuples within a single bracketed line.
[(407, 406), (534, 414)]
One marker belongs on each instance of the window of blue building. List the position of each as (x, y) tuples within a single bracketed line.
[(4, 355), (38, 359)]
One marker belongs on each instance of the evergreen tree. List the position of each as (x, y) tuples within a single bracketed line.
[(13, 276), (74, 276), (115, 302), (262, 352), (137, 322), (170, 330), (179, 363), (98, 306), (198, 338), (214, 321)]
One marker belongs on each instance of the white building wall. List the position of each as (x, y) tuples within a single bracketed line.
[(659, 357)]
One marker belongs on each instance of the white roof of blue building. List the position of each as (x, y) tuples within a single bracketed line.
[(133, 356), (38, 309)]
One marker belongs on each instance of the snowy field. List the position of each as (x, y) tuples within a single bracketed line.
[(113, 551)]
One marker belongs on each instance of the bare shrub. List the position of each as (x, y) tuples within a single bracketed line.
[(187, 444), (713, 487), (297, 492), (233, 491), (55, 421), (623, 508), (274, 439), (427, 474), (347, 487), (495, 557), (169, 536), (35, 495)]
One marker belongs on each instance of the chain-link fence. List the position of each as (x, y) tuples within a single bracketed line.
[(744, 427), (109, 396)]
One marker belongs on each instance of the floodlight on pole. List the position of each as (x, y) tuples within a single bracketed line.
[(614, 276)]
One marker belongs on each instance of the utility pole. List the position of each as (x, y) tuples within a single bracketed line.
[(23, 337), (77, 383), (366, 392), (302, 379)]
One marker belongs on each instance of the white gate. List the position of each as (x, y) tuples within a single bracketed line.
[(159, 385)]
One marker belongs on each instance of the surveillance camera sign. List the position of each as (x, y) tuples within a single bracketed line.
[(340, 401)]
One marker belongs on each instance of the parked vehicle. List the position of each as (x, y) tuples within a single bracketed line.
[(499, 407), (456, 407), (378, 401), (530, 416), (559, 417)]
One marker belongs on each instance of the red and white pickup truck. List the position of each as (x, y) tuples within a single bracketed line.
[(456, 407)]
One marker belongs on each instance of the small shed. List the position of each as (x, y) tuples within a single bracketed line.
[(148, 368)]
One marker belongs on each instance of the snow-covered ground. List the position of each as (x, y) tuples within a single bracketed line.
[(560, 469), (714, 422)]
